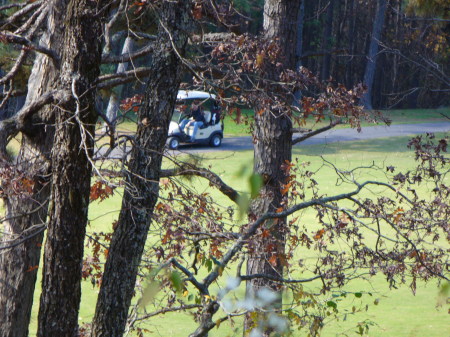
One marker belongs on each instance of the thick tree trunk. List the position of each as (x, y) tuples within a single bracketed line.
[(273, 146), (27, 214), (71, 171), (371, 65), (144, 168)]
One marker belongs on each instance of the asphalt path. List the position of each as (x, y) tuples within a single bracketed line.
[(331, 136)]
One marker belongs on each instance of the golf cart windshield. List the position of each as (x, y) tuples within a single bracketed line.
[(176, 116)]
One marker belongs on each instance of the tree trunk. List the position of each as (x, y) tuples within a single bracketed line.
[(352, 37), (113, 105), (299, 47), (71, 171), (18, 265), (142, 181), (273, 146), (371, 65), (326, 42)]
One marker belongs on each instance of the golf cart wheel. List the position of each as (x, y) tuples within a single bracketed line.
[(173, 143), (215, 141)]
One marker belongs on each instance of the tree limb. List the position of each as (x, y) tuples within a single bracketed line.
[(277, 279), (214, 179), (17, 39), (21, 121), (108, 58), (23, 237), (19, 14), (272, 215), (165, 310), (112, 80), (34, 22), (316, 132), (19, 61)]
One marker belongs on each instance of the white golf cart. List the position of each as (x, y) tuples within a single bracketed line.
[(210, 133)]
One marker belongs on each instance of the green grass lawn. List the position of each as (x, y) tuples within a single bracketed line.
[(399, 313)]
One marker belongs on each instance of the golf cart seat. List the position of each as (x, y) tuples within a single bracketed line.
[(207, 115), (215, 118)]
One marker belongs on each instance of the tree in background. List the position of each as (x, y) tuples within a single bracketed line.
[(411, 61), (372, 55)]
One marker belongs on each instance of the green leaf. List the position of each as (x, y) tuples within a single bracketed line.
[(150, 291), (209, 264), (358, 295), (243, 171), (243, 203), (256, 183), (332, 304), (176, 280), (360, 330)]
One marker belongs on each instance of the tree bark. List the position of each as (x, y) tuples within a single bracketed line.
[(142, 181), (71, 170), (299, 47), (272, 149), (114, 99), (326, 42), (371, 65), (352, 37), (18, 265)]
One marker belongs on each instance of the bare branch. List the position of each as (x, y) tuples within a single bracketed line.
[(111, 80), (33, 22), (165, 310), (17, 39), (13, 5), (316, 132), (270, 215), (20, 122), (277, 279), (444, 115), (110, 23), (24, 236), (191, 278), (30, 7), (108, 58), (214, 179), (213, 37), (19, 61)]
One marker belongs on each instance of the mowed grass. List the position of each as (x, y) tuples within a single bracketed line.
[(242, 128), (398, 313)]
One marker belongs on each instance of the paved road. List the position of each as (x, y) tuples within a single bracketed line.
[(332, 136)]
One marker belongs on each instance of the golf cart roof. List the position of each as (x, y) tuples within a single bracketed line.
[(193, 94)]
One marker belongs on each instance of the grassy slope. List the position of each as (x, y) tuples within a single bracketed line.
[(399, 313)]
